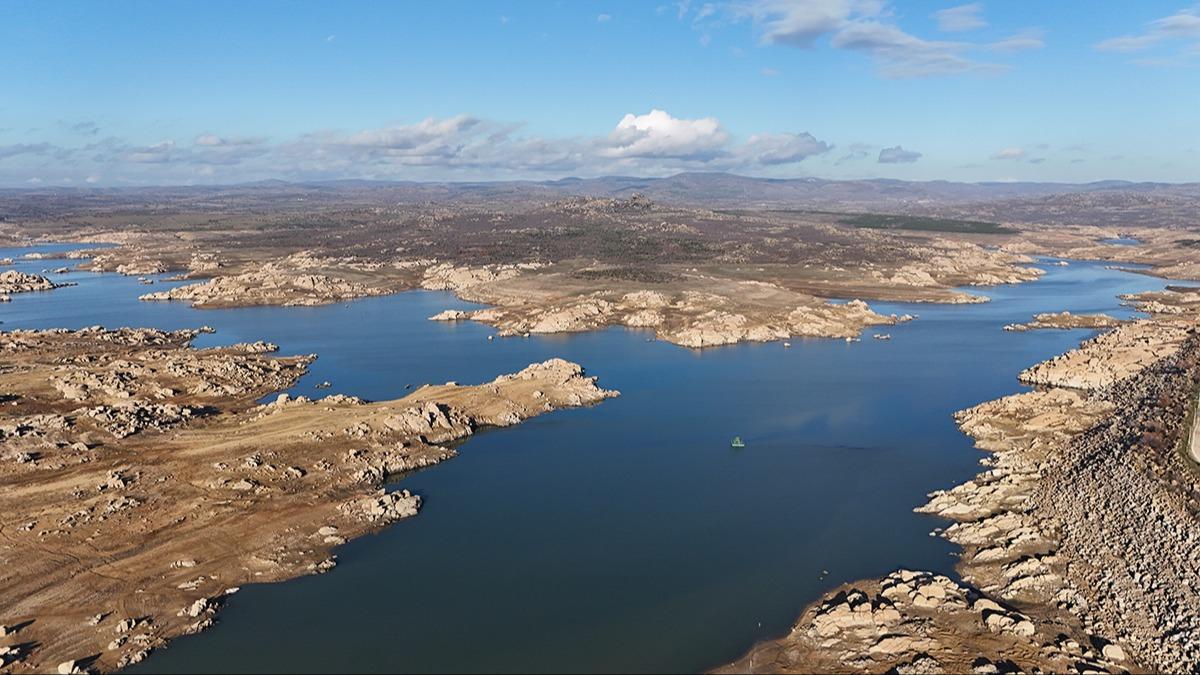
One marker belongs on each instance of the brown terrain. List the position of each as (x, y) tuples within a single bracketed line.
[(142, 482)]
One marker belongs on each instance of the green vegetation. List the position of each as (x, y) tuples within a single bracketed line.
[(882, 221)]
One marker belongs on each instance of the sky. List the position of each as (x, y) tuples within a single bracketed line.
[(164, 93)]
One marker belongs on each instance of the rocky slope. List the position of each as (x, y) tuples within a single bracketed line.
[(140, 484)]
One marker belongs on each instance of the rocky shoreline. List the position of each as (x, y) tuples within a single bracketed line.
[(12, 281), (1065, 321), (686, 305), (140, 483), (1078, 539)]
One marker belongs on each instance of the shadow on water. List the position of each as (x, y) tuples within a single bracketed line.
[(627, 536)]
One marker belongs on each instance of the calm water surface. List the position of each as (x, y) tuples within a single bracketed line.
[(627, 536)]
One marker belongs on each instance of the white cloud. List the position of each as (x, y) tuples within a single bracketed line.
[(1183, 25), (1010, 153), (960, 18), (799, 24), (1128, 43), (869, 26), (1030, 38), (603, 18), (898, 155), (771, 149), (657, 134), (899, 54)]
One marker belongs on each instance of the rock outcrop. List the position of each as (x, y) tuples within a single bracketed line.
[(269, 285), (12, 281)]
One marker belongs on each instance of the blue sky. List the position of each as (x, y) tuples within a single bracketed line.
[(129, 93)]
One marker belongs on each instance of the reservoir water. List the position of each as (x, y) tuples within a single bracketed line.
[(628, 536)]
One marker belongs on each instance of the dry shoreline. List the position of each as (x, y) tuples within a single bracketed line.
[(692, 306), (1076, 538), (140, 484)]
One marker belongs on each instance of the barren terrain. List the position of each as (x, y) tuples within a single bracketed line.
[(142, 484)]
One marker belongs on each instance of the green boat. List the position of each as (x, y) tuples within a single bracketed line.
[(737, 442)]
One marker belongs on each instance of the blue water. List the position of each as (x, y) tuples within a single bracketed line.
[(1121, 241), (627, 536)]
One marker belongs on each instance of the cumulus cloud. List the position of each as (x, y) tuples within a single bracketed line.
[(657, 134), (898, 155), (1183, 25), (961, 18), (1009, 153)]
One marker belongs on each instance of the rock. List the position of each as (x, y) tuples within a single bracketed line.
[(12, 281), (1113, 652), (901, 644), (384, 507), (197, 608)]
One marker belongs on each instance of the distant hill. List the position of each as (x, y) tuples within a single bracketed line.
[(1110, 198)]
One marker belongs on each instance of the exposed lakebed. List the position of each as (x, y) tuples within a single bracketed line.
[(628, 536)]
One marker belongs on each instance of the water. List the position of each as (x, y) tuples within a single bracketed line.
[(627, 536), (1121, 241)]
